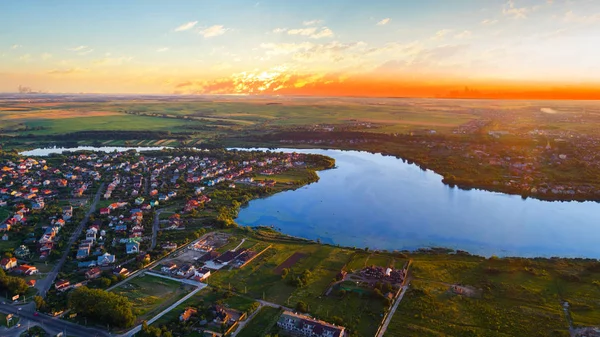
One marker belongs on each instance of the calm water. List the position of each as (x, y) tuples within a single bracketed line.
[(380, 202)]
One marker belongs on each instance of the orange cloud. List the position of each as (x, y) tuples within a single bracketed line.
[(280, 81)]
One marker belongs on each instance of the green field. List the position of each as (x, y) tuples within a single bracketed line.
[(262, 323), (150, 294), (115, 122), (519, 297)]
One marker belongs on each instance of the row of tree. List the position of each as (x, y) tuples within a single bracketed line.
[(102, 306)]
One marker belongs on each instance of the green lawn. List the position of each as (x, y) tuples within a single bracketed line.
[(262, 323), (150, 294)]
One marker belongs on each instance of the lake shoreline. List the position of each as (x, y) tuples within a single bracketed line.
[(464, 243)]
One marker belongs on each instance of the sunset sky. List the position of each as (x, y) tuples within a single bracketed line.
[(514, 48)]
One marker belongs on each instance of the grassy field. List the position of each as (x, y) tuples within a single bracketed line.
[(262, 323), (519, 297), (112, 122), (288, 176), (259, 279), (41, 118), (150, 294)]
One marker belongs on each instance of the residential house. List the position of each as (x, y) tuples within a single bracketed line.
[(185, 316), (106, 259), (186, 270), (168, 267), (132, 248), (105, 211), (8, 263), (93, 273), (121, 271), (62, 285), (303, 325), (201, 274), (25, 269)]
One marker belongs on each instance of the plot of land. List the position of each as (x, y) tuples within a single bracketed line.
[(290, 262), (262, 323), (206, 298), (150, 294)]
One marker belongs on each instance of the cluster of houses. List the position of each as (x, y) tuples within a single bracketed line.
[(12, 265), (302, 325), (186, 270)]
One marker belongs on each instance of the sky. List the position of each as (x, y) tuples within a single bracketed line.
[(407, 48)]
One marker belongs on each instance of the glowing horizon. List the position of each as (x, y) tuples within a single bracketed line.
[(496, 49)]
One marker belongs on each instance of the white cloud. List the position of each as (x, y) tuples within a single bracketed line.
[(302, 31), (25, 57), (440, 34), (312, 32), (81, 50), (186, 26), (489, 22), (113, 61), (46, 56), (68, 71), (16, 46), (511, 10), (78, 48), (312, 22), (279, 30), (384, 22), (574, 18), (213, 31), (324, 32), (285, 48), (463, 35), (163, 49)]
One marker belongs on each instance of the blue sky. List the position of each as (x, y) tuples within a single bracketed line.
[(154, 46)]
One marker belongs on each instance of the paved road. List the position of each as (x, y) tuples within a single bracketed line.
[(155, 318), (44, 285), (238, 246), (49, 323), (155, 227), (241, 325), (390, 314)]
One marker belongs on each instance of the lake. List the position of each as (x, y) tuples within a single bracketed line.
[(380, 202)]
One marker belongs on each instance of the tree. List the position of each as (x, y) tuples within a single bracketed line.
[(301, 306), (102, 306), (39, 302)]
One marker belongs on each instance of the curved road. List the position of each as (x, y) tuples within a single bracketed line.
[(44, 285)]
